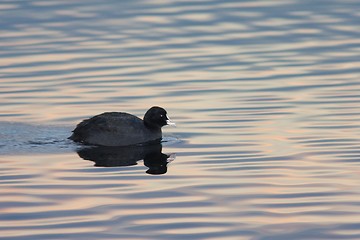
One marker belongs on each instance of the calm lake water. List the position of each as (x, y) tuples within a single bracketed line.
[(265, 94)]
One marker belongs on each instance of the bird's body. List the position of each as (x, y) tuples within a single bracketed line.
[(121, 129)]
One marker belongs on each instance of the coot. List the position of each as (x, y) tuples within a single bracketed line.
[(122, 129)]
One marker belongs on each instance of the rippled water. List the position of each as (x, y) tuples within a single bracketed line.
[(265, 95)]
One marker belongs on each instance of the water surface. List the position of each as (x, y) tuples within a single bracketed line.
[(265, 95)]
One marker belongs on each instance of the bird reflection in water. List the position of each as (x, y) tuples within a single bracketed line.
[(154, 159)]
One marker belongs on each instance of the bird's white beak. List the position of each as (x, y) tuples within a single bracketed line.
[(171, 157), (169, 122)]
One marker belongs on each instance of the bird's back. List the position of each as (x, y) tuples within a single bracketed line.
[(114, 129)]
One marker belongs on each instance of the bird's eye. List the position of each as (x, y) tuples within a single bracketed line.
[(161, 115)]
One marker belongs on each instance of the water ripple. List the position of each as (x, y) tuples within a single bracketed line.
[(264, 93)]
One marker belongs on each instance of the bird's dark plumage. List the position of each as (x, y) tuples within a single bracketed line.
[(121, 129)]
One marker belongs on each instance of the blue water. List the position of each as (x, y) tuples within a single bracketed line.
[(266, 99)]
